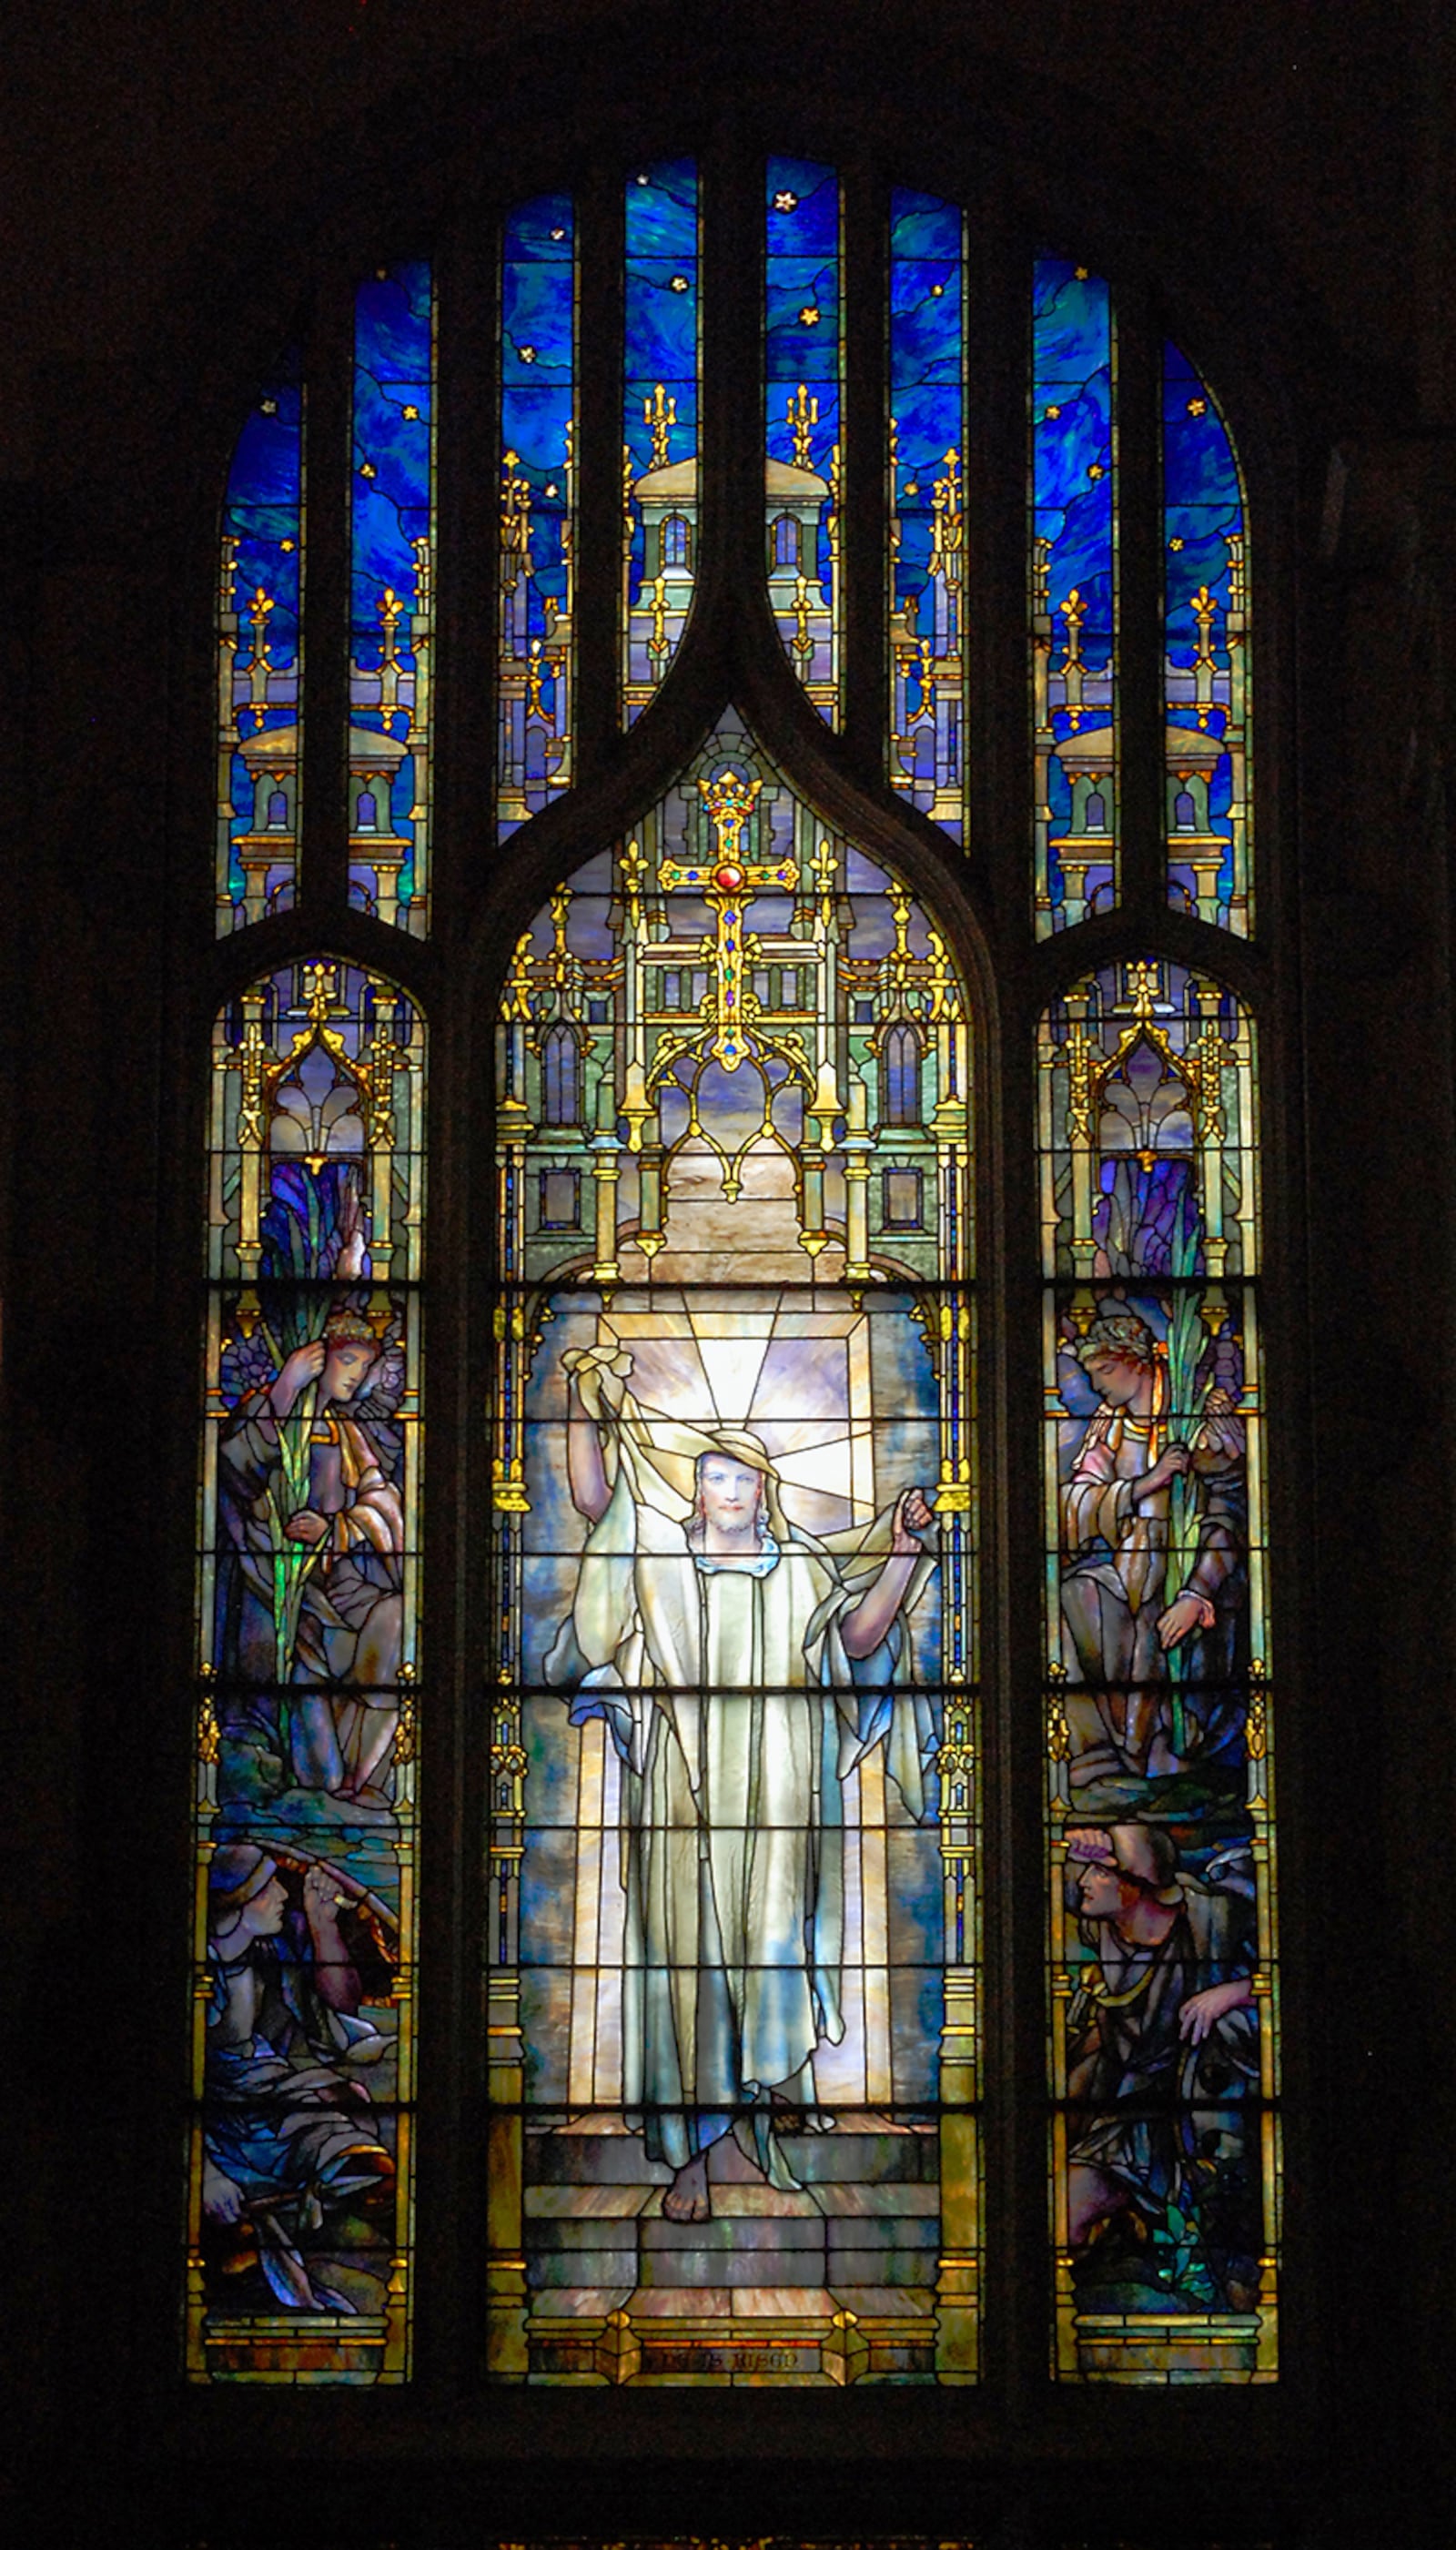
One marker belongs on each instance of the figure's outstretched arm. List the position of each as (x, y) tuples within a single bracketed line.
[(586, 1471), (869, 1622)]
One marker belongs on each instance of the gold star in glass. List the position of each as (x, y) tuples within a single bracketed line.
[(784, 202), (367, 469), (1096, 470), (1052, 412), (411, 415), (527, 353), (809, 316), (679, 283), (1175, 542), (1198, 407)]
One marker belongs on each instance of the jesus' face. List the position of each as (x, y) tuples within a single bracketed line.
[(730, 1494)]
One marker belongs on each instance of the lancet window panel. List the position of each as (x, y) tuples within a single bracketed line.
[(733, 1932), (1164, 2005), (537, 630), (259, 658), (300, 2218), (803, 361), (660, 446), (1074, 704), (392, 595), (927, 564), (1207, 645)]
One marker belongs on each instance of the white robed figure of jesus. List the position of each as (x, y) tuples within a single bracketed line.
[(744, 1668)]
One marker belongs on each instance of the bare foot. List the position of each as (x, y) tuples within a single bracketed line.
[(687, 2199)]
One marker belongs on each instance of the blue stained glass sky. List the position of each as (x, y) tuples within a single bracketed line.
[(538, 367), (1202, 503), (391, 437), (926, 398), (801, 317), (1072, 474), (662, 303), (264, 504)]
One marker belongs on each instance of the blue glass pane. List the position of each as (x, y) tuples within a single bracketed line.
[(803, 353), (392, 594), (537, 506), (1207, 623), (259, 608), (659, 420), (926, 477), (1073, 593)]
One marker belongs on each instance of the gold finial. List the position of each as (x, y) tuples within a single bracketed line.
[(539, 664), (1205, 608), (515, 505), (659, 412), (1143, 989), (633, 873), (407, 1732), (657, 642), (560, 908), (803, 637), (945, 498), (1058, 1731), (321, 990), (802, 416), (516, 999), (209, 1732), (729, 800)]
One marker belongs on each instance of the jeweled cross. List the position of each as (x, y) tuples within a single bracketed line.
[(725, 881)]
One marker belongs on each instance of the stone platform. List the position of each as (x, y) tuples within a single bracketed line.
[(829, 2282)]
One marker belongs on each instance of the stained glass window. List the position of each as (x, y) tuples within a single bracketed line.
[(538, 661), (392, 596), (732, 1926), (733, 1933), (1164, 1981), (1207, 648), (802, 347), (1073, 595), (660, 420), (300, 2206), (928, 559), (260, 657)]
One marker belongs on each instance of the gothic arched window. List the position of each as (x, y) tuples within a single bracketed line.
[(790, 999)]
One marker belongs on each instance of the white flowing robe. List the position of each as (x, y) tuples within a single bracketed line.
[(737, 1715)]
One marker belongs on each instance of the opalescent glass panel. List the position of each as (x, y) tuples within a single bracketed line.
[(659, 422), (803, 358), (537, 664), (732, 1907), (303, 1942), (1073, 594), (1206, 593), (928, 559), (392, 596), (260, 657), (1164, 1997)]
